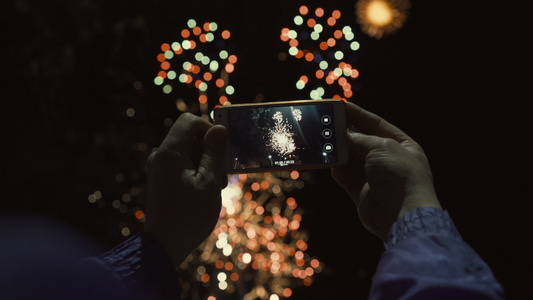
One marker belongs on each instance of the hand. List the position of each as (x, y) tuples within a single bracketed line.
[(388, 174), (184, 182)]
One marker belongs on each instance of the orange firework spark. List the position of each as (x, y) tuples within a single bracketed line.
[(381, 17)]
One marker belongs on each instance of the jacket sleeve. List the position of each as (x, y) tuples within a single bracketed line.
[(426, 258), (140, 268)]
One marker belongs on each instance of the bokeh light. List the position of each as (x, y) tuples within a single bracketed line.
[(200, 59), (381, 17), (257, 250), (327, 48)]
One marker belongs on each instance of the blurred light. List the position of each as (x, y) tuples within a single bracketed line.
[(349, 36), (223, 54), (381, 17), (226, 34), (165, 65), (232, 59), (176, 46), (355, 46), (292, 34), (222, 276), (379, 13), (130, 112), (293, 51), (125, 231), (171, 75), (169, 54), (165, 47), (158, 80), (167, 89), (319, 12), (197, 30), (287, 292), (230, 90), (116, 204), (246, 258), (213, 66)]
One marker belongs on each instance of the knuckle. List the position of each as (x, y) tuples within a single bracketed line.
[(186, 116), (388, 143)]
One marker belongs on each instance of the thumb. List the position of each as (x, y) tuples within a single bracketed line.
[(212, 160)]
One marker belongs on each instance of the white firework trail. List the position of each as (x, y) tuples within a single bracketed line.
[(280, 137), (297, 114), (278, 117)]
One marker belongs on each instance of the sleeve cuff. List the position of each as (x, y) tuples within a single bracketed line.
[(424, 220), (145, 267)]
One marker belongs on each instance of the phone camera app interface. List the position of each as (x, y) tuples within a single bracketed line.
[(265, 137)]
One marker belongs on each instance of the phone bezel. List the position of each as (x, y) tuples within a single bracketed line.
[(339, 113)]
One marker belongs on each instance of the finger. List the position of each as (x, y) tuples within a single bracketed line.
[(211, 162), (350, 177), (185, 133), (360, 144), (372, 124)]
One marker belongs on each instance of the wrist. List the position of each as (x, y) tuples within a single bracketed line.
[(170, 248), (422, 195)]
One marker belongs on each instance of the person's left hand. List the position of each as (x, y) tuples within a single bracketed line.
[(184, 182)]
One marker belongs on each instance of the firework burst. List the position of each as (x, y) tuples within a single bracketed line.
[(200, 60), (327, 49), (381, 17), (280, 137), (297, 114)]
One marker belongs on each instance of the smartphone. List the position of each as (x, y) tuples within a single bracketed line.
[(288, 135)]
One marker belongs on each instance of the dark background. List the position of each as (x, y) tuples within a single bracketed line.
[(456, 77)]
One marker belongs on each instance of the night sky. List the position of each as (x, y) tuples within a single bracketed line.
[(456, 78)]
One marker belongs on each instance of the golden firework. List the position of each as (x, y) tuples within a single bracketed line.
[(381, 17)]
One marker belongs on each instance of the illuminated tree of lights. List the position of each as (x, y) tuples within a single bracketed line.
[(256, 250), (328, 49), (200, 60), (381, 17)]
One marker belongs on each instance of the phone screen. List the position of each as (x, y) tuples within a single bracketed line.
[(273, 137)]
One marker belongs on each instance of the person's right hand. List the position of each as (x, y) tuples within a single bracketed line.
[(388, 174)]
